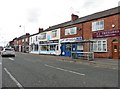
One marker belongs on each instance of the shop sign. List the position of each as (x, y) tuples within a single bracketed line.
[(70, 39), (103, 34), (48, 42)]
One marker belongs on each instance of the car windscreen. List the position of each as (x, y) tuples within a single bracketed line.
[(8, 49)]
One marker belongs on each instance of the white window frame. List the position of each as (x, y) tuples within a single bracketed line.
[(96, 26), (68, 31), (96, 43)]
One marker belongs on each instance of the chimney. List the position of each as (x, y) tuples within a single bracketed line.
[(74, 17), (27, 34), (40, 30)]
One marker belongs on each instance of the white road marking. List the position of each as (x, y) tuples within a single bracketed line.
[(18, 84), (0, 63), (11, 59), (64, 70)]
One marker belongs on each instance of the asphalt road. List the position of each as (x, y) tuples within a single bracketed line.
[(31, 70)]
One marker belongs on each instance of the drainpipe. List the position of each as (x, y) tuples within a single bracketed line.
[(82, 32)]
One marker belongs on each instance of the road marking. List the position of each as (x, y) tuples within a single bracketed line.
[(0, 63), (65, 70), (11, 59), (18, 84)]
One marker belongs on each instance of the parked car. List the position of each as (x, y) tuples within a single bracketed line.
[(8, 52)]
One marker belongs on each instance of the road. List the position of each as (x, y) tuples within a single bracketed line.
[(31, 70)]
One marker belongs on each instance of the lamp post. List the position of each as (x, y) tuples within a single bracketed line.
[(24, 36)]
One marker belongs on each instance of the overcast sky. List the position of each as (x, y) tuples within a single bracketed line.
[(32, 14)]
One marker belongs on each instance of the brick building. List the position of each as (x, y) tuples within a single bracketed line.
[(21, 44), (98, 32)]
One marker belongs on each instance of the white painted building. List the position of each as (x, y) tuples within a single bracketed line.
[(34, 43), (49, 42)]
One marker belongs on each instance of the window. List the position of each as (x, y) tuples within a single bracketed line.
[(79, 47), (31, 39), (99, 46), (71, 31), (36, 38), (44, 48), (43, 36), (98, 25), (54, 33)]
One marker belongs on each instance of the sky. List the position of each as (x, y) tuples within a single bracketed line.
[(32, 14)]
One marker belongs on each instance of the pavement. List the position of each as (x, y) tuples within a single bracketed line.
[(97, 62)]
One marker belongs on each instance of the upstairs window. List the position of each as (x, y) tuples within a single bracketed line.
[(43, 36), (54, 33), (98, 25), (71, 31)]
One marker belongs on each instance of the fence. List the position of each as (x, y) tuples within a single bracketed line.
[(83, 55)]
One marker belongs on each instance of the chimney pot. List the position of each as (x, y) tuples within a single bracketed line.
[(40, 30), (74, 17)]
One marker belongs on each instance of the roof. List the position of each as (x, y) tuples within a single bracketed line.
[(94, 16), (34, 34)]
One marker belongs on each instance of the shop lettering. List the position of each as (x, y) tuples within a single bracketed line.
[(106, 34)]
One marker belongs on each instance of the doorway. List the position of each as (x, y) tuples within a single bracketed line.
[(115, 51)]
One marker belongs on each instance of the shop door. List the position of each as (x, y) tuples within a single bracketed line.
[(63, 49), (115, 52), (66, 50)]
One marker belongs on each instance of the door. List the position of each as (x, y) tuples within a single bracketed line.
[(115, 52), (66, 50)]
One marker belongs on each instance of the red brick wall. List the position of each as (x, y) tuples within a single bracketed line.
[(87, 34), (108, 22)]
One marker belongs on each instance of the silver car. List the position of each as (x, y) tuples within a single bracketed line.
[(8, 52)]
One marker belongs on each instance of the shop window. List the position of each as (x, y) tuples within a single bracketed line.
[(98, 25), (71, 31), (44, 48), (79, 47), (52, 47), (99, 46), (68, 47)]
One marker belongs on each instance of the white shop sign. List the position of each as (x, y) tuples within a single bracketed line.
[(70, 39)]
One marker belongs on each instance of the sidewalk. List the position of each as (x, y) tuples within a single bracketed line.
[(97, 62)]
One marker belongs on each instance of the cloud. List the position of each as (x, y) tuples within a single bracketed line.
[(33, 15), (91, 3)]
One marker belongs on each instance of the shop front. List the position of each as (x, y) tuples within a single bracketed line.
[(49, 47), (69, 45), (107, 44)]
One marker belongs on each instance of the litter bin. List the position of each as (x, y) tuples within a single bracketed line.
[(74, 56), (90, 57)]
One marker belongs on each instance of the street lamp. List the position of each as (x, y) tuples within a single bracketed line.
[(23, 28), (23, 46)]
